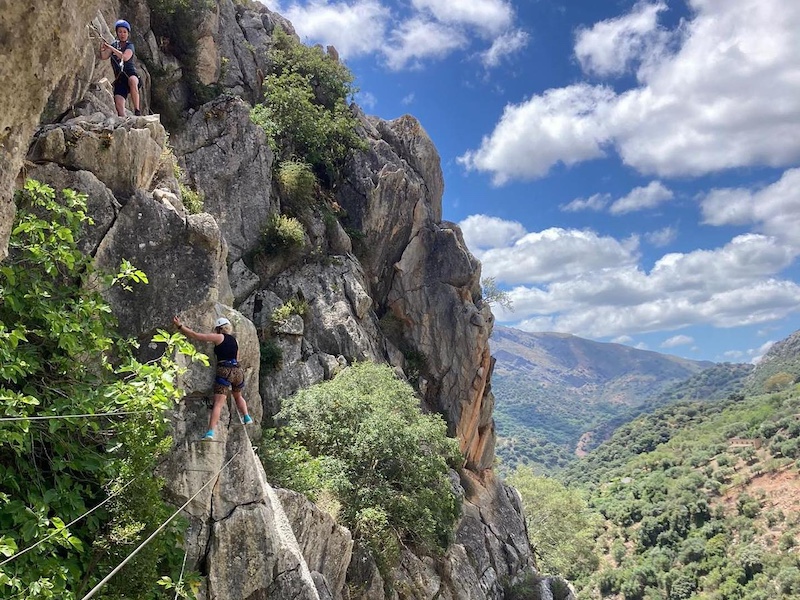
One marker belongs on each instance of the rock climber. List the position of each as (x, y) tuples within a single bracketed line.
[(229, 376), (126, 80)]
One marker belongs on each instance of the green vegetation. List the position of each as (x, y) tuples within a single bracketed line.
[(297, 182), (305, 112), (362, 439), (781, 360), (560, 526), (283, 234), (59, 355), (271, 355), (192, 200), (541, 425), (293, 306), (693, 504)]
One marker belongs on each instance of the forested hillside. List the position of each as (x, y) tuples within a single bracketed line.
[(697, 500)]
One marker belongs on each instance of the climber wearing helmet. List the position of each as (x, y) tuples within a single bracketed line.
[(229, 372), (121, 51)]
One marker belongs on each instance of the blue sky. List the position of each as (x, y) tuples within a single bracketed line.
[(626, 171)]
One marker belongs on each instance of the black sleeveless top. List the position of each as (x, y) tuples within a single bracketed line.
[(227, 349)]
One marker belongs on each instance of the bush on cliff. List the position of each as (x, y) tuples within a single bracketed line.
[(305, 113), (59, 356), (385, 461)]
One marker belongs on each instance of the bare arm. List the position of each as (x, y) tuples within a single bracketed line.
[(106, 50), (216, 338)]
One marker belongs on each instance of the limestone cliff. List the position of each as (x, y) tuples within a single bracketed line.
[(249, 540)]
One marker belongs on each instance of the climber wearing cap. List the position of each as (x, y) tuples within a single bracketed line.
[(121, 51), (229, 372)]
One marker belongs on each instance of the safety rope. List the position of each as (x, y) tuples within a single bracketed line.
[(68, 525), (157, 531), (180, 579), (84, 416)]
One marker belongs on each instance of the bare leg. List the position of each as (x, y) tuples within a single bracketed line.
[(219, 402), (119, 104), (240, 403), (133, 86)]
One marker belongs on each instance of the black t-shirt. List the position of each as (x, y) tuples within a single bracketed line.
[(227, 349), (130, 65)]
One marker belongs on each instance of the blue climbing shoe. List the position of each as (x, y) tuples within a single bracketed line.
[(209, 435), (247, 420)]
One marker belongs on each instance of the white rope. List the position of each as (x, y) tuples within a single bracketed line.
[(67, 526), (180, 579), (156, 532), (85, 416)]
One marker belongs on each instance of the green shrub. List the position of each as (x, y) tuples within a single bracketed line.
[(305, 112), (271, 355), (382, 457), (525, 588), (57, 335), (289, 464), (297, 181), (192, 200), (293, 306), (283, 234)]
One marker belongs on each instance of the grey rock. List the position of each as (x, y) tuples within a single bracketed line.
[(30, 72), (226, 157), (326, 546)]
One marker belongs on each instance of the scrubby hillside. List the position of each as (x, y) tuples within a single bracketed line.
[(698, 500)]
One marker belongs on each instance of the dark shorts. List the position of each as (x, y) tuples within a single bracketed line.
[(228, 377), (121, 87)]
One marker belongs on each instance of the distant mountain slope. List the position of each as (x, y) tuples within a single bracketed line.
[(782, 358), (715, 383), (552, 390)]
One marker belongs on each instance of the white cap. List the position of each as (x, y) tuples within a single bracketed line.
[(221, 321)]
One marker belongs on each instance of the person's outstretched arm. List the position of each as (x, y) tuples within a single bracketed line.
[(217, 338)]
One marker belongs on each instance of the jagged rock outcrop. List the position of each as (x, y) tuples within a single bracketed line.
[(422, 273), (29, 72), (227, 159), (408, 294)]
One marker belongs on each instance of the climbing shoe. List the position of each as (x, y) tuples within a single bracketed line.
[(137, 112), (209, 435), (247, 420)]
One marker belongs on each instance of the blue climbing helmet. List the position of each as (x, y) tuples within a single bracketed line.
[(122, 23)]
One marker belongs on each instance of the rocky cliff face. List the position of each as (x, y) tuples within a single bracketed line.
[(249, 540)]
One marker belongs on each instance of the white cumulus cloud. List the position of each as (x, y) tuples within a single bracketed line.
[(677, 340), (418, 39), (610, 47), (774, 209), (725, 97), (595, 202), (642, 198), (561, 125), (493, 16), (662, 237), (504, 45), (354, 28), (591, 285)]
